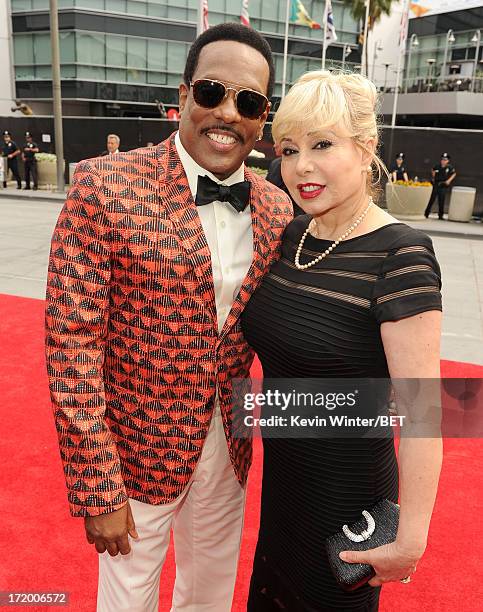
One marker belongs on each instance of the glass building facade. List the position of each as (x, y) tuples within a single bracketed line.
[(445, 51), (132, 52)]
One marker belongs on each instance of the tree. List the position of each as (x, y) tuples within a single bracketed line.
[(377, 8)]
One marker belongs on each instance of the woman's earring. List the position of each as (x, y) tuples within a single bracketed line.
[(260, 136), (369, 168)]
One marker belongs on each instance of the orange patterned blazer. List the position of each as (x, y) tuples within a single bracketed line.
[(132, 345)]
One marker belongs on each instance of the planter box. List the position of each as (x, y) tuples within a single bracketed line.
[(47, 172), (407, 203)]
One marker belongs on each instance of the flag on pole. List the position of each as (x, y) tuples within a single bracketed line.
[(330, 33), (206, 25), (299, 16), (403, 32), (245, 17)]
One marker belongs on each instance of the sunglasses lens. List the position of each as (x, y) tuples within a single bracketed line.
[(251, 104), (208, 93)]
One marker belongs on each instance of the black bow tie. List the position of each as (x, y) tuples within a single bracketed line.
[(238, 195)]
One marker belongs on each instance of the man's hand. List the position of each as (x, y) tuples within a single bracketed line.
[(110, 531)]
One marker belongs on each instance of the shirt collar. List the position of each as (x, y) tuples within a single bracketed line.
[(194, 170)]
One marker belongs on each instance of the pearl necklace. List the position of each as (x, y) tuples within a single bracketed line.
[(300, 266)]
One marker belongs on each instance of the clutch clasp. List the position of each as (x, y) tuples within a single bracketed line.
[(365, 533)]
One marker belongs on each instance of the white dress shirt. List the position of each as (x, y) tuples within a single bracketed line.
[(228, 233)]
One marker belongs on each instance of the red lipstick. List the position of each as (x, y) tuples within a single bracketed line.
[(310, 190)]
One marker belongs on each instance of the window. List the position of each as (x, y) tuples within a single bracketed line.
[(21, 5), (269, 10), (116, 6), (116, 50), (96, 73), (136, 52), (136, 76), (157, 54), (177, 53), (25, 73), (23, 48), (67, 47), (217, 6), (43, 72), (90, 48), (68, 71), (297, 67), (136, 8), (95, 5), (156, 9), (116, 75), (42, 49)]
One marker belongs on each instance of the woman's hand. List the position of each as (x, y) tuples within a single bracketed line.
[(392, 562)]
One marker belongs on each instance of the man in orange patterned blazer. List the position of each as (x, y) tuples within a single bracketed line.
[(154, 256)]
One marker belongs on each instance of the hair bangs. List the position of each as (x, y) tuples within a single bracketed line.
[(310, 107)]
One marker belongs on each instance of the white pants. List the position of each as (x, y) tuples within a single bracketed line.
[(207, 523)]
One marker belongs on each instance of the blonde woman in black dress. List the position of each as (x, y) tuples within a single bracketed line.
[(355, 294)]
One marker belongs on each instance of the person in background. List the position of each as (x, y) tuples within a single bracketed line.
[(113, 142), (274, 176), (30, 148), (398, 170), (11, 152), (443, 175)]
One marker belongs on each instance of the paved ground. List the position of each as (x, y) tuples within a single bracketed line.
[(28, 218)]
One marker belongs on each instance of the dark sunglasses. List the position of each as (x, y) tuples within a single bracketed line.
[(210, 94)]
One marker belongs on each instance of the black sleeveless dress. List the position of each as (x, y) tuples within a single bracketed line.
[(325, 322)]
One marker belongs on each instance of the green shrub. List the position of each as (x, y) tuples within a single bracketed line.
[(48, 157)]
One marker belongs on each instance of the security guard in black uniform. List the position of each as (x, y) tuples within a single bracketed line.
[(29, 162), (11, 151), (398, 170), (443, 175)]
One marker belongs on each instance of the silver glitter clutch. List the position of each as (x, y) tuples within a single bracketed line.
[(376, 528)]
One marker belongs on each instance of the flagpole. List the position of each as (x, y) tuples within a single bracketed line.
[(324, 35), (366, 24), (399, 61), (285, 48)]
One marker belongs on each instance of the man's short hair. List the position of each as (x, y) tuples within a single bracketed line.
[(114, 136), (235, 32)]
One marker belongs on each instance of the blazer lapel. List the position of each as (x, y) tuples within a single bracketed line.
[(175, 196), (261, 227)]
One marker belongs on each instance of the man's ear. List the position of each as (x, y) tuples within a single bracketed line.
[(264, 117), (183, 96)]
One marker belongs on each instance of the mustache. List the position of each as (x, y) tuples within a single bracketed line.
[(225, 128)]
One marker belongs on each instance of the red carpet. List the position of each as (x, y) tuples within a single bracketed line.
[(43, 549)]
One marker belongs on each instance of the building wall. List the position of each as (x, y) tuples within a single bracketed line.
[(6, 65), (387, 32), (144, 43), (431, 33)]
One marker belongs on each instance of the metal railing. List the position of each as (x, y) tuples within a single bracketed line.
[(420, 84)]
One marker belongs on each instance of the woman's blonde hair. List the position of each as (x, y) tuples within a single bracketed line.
[(322, 99)]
